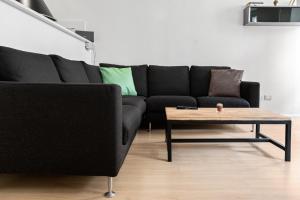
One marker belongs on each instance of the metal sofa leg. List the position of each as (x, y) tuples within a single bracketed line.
[(150, 127), (110, 193)]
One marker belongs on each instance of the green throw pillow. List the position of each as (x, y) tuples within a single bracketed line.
[(120, 76)]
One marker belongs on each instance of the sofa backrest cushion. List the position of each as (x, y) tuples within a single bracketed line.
[(70, 71), (139, 74), (172, 80), (93, 73), (21, 66), (200, 79)]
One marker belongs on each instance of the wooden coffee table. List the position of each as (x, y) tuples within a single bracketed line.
[(255, 116)]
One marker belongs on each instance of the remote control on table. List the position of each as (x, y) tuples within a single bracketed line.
[(186, 108)]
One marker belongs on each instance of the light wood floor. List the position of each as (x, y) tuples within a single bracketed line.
[(199, 171)]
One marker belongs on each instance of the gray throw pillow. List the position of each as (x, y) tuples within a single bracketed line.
[(225, 83)]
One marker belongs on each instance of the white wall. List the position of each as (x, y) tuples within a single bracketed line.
[(22, 31), (200, 32)]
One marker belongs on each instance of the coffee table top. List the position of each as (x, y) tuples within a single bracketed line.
[(228, 114)]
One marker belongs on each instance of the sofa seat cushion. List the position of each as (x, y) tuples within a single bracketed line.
[(21, 66), (229, 102), (158, 103), (70, 71), (132, 118), (173, 80), (136, 101)]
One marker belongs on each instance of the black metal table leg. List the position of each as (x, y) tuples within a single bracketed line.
[(257, 130), (288, 130), (169, 140)]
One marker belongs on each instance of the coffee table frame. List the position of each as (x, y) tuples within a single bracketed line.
[(259, 137)]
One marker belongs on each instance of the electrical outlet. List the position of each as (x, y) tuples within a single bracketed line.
[(267, 97)]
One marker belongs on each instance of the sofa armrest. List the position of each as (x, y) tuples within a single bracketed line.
[(251, 92), (61, 128)]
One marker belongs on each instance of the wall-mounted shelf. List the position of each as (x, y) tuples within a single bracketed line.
[(272, 16)]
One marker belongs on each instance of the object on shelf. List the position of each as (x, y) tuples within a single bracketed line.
[(292, 2), (254, 3)]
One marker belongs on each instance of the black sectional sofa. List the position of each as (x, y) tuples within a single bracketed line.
[(57, 117), (161, 86)]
